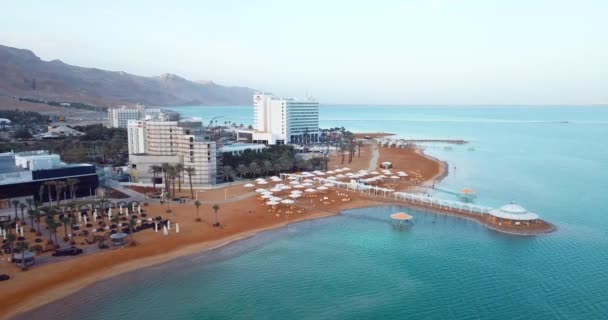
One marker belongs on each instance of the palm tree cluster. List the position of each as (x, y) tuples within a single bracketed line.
[(274, 160), (343, 140), (172, 174)]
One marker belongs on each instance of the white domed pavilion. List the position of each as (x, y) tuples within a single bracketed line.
[(513, 212)]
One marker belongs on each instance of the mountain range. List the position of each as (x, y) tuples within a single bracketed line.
[(23, 74)]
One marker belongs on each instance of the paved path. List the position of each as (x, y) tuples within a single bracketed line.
[(229, 200), (373, 162)]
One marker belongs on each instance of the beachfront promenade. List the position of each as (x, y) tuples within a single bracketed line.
[(479, 213)]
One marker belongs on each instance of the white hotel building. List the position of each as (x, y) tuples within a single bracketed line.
[(283, 121), (155, 142)]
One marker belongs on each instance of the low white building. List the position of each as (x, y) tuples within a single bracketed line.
[(60, 131)]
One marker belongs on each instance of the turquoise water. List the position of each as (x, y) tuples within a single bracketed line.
[(552, 160)]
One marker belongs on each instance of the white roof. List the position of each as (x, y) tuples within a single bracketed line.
[(513, 212)]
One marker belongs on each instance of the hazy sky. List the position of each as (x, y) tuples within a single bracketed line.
[(400, 52)]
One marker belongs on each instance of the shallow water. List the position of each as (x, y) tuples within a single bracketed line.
[(442, 267)]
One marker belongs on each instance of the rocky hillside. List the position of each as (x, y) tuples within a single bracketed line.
[(23, 74)]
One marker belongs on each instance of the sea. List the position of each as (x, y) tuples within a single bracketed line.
[(553, 160)]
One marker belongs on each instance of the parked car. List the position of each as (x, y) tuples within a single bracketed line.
[(73, 251), (4, 277)]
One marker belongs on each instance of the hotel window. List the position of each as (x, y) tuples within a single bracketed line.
[(191, 146), (191, 159)]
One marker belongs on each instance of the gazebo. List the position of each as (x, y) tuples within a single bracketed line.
[(512, 214), (401, 217)]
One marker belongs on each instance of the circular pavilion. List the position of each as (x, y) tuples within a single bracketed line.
[(512, 214), (401, 217)]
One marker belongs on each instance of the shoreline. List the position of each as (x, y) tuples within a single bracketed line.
[(40, 294), (78, 284)]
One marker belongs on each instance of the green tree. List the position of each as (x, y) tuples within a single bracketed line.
[(190, 171), (66, 221), (197, 204), (11, 237), (49, 185), (15, 204), (22, 134), (72, 185), (242, 170), (216, 208), (254, 169), (22, 207), (59, 187), (22, 246), (155, 170), (179, 169)]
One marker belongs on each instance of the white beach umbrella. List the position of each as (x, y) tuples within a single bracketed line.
[(310, 190), (332, 178), (165, 231), (322, 188), (321, 173), (260, 190), (292, 178), (267, 196), (294, 182), (276, 189), (262, 182), (394, 177), (330, 172), (375, 172), (329, 185), (249, 185), (275, 177), (272, 203), (338, 170), (287, 201), (307, 180), (295, 195), (345, 169), (285, 187), (275, 199), (340, 176), (260, 179), (298, 186)]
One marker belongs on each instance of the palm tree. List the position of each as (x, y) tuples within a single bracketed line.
[(132, 224), (22, 246), (197, 204), (190, 171), (179, 169), (216, 208), (267, 167), (359, 145), (30, 202), (16, 206), (48, 185), (165, 168), (227, 173), (41, 193), (72, 186), (11, 237), (66, 221), (59, 186), (53, 225), (342, 150), (31, 213), (22, 207), (37, 215), (242, 170), (172, 174), (254, 169), (154, 170)]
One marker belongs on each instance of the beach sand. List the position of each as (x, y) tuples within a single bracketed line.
[(45, 283)]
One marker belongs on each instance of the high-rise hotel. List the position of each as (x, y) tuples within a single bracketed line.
[(282, 121)]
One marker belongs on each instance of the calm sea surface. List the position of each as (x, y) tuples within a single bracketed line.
[(552, 160)]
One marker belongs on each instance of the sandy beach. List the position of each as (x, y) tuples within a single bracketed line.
[(241, 215)]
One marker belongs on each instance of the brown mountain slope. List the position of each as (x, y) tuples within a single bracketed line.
[(23, 74)]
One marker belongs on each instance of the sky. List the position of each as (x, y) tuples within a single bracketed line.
[(388, 52)]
